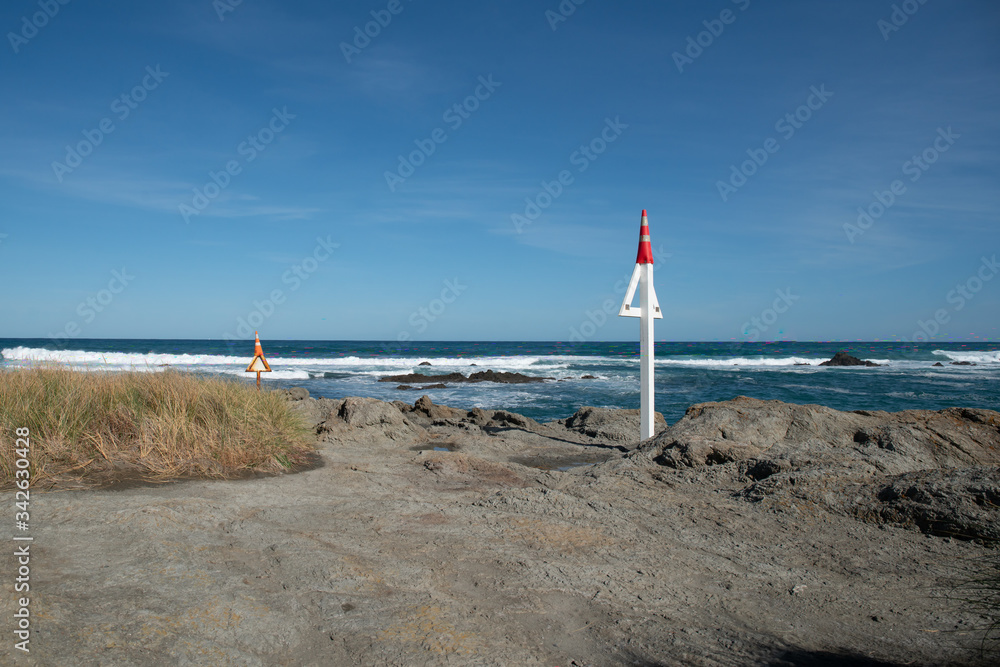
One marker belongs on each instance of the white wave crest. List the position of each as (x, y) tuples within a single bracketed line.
[(742, 361), (974, 357), (367, 365), (115, 359), (273, 375)]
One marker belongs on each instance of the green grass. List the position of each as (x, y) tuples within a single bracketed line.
[(102, 427)]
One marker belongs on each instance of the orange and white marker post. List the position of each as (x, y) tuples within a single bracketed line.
[(259, 363), (647, 311)]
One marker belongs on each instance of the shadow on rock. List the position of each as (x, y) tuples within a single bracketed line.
[(805, 658)]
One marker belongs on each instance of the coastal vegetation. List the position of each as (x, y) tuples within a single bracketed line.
[(100, 428)]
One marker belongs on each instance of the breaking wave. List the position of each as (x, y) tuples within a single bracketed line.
[(974, 357)]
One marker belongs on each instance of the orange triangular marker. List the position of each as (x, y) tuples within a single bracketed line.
[(259, 363)]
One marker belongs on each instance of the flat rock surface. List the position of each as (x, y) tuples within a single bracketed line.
[(423, 540)]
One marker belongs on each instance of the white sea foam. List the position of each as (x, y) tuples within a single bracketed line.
[(974, 357), (741, 361), (115, 359), (274, 375), (365, 366), (818, 388)]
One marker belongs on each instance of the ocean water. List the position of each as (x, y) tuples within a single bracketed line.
[(686, 373)]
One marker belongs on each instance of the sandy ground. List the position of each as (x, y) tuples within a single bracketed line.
[(391, 555)]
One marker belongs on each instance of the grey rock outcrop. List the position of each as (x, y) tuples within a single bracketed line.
[(954, 502), (795, 436), (923, 468), (621, 426), (384, 421), (424, 406)]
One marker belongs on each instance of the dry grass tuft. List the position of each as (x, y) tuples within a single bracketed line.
[(101, 428)]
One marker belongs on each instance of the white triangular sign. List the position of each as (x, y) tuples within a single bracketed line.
[(258, 364), (627, 309)]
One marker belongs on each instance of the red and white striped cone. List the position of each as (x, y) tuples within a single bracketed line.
[(645, 255)]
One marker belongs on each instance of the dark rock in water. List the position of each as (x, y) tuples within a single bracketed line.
[(618, 425), (435, 386), (417, 378), (588, 377), (962, 363), (481, 376), (424, 363), (844, 359), (504, 377), (473, 364), (403, 386), (938, 364), (963, 503)]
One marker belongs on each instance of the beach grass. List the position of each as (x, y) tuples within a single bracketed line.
[(100, 428)]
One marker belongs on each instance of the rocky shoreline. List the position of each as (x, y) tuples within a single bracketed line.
[(749, 532)]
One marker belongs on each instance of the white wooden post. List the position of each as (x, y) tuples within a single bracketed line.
[(647, 311)]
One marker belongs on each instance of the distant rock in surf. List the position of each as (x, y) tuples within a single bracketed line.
[(962, 363), (417, 378), (424, 363), (844, 359), (481, 376), (938, 364)]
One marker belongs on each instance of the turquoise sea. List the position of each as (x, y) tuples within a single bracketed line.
[(686, 373)]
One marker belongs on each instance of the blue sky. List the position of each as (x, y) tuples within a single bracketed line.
[(216, 155)]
